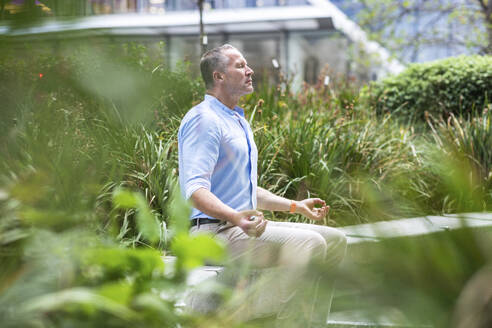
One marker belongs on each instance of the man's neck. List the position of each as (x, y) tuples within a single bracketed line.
[(230, 102)]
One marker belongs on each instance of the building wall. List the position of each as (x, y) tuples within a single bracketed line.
[(316, 54), (160, 6), (302, 56)]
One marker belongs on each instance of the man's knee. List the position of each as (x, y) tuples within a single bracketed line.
[(318, 246), (336, 246)]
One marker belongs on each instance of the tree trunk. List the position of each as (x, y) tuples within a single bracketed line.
[(488, 49), (203, 46), (2, 9), (486, 8), (488, 21), (30, 5)]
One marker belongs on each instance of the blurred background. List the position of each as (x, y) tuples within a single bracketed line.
[(382, 108), (302, 36)]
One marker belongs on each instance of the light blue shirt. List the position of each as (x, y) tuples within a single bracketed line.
[(217, 152)]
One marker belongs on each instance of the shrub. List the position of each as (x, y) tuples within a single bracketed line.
[(114, 109), (456, 85)]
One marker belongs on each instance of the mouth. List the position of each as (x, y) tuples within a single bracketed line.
[(249, 82)]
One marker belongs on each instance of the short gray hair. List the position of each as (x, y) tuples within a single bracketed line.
[(214, 60)]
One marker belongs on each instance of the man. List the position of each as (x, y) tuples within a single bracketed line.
[(218, 172)]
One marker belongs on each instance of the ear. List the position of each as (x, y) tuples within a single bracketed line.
[(217, 76)]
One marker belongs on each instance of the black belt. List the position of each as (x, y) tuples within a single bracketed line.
[(196, 221)]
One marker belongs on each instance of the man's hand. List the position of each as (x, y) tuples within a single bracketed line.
[(307, 208), (251, 222)]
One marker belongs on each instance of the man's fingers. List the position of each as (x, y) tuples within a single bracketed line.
[(259, 221), (249, 213), (319, 201), (319, 213), (254, 223), (261, 228), (310, 210), (256, 227)]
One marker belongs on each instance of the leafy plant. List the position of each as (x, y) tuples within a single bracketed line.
[(458, 85)]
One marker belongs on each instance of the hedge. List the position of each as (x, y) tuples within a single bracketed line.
[(457, 85)]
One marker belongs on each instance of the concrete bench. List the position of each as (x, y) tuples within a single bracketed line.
[(371, 232), (361, 235)]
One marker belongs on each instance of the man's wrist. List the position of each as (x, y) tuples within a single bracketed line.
[(234, 218), (293, 207)]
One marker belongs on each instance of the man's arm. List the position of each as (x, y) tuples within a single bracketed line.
[(206, 202), (271, 202)]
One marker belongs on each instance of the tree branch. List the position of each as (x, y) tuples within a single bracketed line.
[(483, 5)]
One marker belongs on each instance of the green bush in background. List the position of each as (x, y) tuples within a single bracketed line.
[(457, 85)]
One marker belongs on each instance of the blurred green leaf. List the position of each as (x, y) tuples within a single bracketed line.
[(193, 250), (31, 187), (179, 212), (146, 222), (78, 297), (120, 292), (124, 199), (47, 218), (114, 264), (155, 308)]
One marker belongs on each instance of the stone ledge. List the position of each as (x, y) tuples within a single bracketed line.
[(371, 232), (359, 324)]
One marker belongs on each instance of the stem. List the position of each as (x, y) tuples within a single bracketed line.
[(488, 21)]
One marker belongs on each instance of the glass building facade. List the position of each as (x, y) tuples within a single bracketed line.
[(412, 26), (303, 54), (161, 6), (299, 40)]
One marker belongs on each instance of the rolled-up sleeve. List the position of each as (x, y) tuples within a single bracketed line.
[(199, 143)]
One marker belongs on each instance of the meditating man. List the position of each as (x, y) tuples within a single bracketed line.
[(218, 172)]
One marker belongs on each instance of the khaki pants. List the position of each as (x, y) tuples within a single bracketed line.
[(290, 248)]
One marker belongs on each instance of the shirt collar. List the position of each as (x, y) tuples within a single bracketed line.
[(216, 101)]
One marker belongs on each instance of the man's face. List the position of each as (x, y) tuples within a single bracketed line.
[(237, 76)]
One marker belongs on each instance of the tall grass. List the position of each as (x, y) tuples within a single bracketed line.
[(368, 167)]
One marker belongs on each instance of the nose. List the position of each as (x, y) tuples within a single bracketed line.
[(249, 71)]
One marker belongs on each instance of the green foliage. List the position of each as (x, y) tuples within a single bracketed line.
[(89, 196), (76, 275), (457, 85), (193, 251), (146, 222), (467, 170), (76, 143), (422, 289), (312, 147), (114, 264), (368, 167), (113, 106), (178, 210)]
